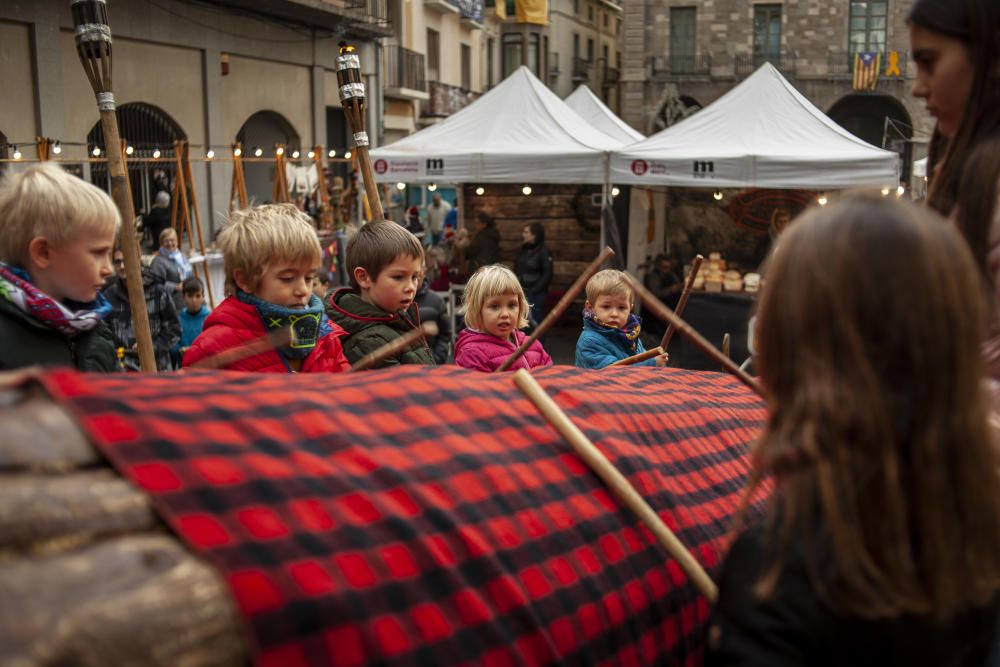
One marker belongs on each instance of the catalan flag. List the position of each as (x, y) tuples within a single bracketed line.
[(866, 70)]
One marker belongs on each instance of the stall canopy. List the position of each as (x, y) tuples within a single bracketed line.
[(594, 111), (519, 132), (762, 133)]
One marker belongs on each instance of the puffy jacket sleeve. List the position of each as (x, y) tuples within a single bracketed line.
[(592, 352), (543, 357), (367, 341), (546, 279), (474, 358)]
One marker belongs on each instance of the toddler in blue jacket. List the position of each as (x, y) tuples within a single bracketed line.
[(610, 328)]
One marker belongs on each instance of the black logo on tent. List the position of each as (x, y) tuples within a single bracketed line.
[(702, 168), (435, 167)]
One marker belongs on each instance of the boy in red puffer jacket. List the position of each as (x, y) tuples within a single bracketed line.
[(271, 256)]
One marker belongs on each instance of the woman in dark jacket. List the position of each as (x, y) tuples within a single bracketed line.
[(483, 248), (533, 268)]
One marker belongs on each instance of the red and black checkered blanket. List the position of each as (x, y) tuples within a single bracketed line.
[(416, 516)]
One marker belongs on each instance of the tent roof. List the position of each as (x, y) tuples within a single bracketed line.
[(594, 111), (762, 133), (519, 131)]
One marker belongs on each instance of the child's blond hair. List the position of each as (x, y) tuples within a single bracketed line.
[(256, 237), (608, 282), (378, 244), (490, 281), (45, 200)]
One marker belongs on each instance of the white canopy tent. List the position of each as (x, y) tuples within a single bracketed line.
[(594, 111), (762, 133), (519, 132)]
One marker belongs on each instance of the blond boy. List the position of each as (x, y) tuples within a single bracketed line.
[(271, 256), (57, 233), (610, 328), (385, 263)]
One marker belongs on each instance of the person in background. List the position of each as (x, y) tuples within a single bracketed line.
[(58, 232), (192, 315), (158, 218), (432, 308), (164, 325), (436, 212), (483, 246), (171, 267), (533, 268), (610, 328), (321, 284), (878, 543)]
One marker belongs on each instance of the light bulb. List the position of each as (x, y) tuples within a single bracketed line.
[(311, 154), (615, 192), (480, 191), (885, 192), (96, 152), (295, 155), (400, 186), (900, 190), (129, 150), (526, 190), (210, 154), (156, 153), (56, 148), (432, 187), (17, 153), (822, 200), (717, 195), (258, 152), (237, 152), (347, 155), (332, 153), (280, 150)]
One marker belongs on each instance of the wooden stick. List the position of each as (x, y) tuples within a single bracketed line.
[(616, 481), (395, 346), (637, 358), (682, 302), (725, 346), (189, 177), (560, 307), (271, 341), (352, 100), (664, 313)]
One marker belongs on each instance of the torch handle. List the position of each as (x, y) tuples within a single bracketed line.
[(371, 187), (130, 246)]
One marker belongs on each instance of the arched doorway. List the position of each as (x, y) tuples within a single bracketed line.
[(264, 130), (147, 129), (880, 120), (673, 108)]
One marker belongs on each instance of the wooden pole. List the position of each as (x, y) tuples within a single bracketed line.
[(352, 99), (682, 302), (326, 213), (395, 346), (280, 177), (725, 346), (615, 481), (189, 178), (238, 190), (271, 341), (664, 313), (638, 358), (560, 307)]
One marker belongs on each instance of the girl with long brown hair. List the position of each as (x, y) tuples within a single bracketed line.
[(880, 542), (956, 46)]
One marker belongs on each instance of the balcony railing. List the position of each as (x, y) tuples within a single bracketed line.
[(611, 76), (445, 100), (404, 68), (662, 68), (581, 69), (374, 13), (784, 61)]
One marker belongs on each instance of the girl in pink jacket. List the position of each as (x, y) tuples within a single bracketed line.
[(495, 311)]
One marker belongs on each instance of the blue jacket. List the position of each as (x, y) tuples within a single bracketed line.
[(191, 324), (600, 346)]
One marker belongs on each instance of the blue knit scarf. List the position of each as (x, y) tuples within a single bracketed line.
[(307, 325)]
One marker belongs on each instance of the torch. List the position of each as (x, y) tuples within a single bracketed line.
[(352, 98), (93, 44)]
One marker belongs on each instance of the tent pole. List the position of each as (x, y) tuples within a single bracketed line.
[(605, 195)]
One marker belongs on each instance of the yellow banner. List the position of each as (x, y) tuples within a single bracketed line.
[(500, 7), (533, 11)]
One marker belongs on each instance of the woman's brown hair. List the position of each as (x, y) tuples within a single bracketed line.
[(977, 202), (885, 477), (977, 24)]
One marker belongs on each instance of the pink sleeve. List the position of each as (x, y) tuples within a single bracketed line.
[(472, 358)]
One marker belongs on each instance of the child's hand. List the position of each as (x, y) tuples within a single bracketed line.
[(662, 360)]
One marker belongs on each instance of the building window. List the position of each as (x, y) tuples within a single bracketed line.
[(576, 45), (590, 50), (533, 53), (512, 45), (433, 55), (766, 33), (590, 12), (604, 56), (490, 45), (618, 26), (682, 39), (576, 7), (466, 67), (605, 15), (867, 32), (511, 7), (618, 59)]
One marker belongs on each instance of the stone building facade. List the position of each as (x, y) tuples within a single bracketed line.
[(585, 47), (680, 55)]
